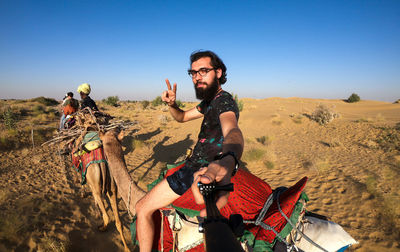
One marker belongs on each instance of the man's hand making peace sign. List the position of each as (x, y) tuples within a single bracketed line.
[(169, 96)]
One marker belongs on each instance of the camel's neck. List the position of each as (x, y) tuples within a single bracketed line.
[(127, 188)]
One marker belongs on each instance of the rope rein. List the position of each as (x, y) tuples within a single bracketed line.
[(294, 226), (129, 202)]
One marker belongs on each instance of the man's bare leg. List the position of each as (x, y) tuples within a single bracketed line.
[(160, 196)]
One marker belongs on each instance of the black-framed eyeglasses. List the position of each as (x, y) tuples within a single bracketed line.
[(202, 71)]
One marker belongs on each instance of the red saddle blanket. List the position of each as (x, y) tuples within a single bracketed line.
[(81, 163), (248, 198)]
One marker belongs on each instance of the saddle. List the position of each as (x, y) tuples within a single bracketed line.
[(90, 151), (248, 199)]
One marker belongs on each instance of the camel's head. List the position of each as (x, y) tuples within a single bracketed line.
[(111, 135)]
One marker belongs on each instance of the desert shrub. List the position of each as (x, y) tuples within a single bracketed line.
[(239, 103), (389, 139), (157, 101), (45, 101), (323, 115), (111, 100), (164, 119), (9, 118), (38, 109), (253, 154), (371, 184), (353, 98), (263, 140), (277, 122), (269, 164), (145, 104)]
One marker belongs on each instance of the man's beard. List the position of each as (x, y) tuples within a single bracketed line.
[(207, 93)]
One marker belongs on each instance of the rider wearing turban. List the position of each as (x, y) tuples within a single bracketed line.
[(84, 90)]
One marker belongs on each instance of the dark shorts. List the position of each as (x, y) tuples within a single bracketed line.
[(181, 180)]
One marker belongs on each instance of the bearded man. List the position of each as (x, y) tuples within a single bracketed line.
[(219, 146)]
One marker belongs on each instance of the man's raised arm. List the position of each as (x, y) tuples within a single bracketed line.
[(169, 96)]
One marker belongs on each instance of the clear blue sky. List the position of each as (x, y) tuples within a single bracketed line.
[(313, 49)]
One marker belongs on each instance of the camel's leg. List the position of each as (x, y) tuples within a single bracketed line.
[(112, 195), (93, 179)]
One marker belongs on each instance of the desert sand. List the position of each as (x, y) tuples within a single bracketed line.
[(353, 166)]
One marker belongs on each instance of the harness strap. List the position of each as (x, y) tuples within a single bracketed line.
[(175, 231), (183, 217), (294, 226), (264, 210)]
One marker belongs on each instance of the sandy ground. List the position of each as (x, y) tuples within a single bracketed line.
[(352, 166)]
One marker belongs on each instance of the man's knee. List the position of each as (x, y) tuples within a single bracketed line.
[(142, 208)]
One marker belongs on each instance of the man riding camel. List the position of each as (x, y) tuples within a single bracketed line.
[(219, 146), (69, 106), (84, 91)]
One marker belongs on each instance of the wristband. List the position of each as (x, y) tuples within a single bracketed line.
[(221, 155)]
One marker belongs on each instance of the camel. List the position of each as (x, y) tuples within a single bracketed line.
[(188, 234), (101, 181), (94, 177)]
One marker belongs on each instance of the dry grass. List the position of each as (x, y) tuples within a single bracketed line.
[(49, 244), (137, 144), (11, 226), (371, 184), (164, 119), (332, 143), (277, 122), (363, 120), (298, 119), (4, 194), (322, 165)]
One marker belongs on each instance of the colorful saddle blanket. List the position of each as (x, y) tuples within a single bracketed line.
[(81, 163), (248, 198)]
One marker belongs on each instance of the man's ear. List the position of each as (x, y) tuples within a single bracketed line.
[(219, 72), (120, 135)]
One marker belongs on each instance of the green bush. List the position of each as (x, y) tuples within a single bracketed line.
[(179, 104), (239, 103), (112, 101), (45, 101), (353, 98), (157, 101), (9, 118)]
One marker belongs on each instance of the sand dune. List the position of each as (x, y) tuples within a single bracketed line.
[(353, 165)]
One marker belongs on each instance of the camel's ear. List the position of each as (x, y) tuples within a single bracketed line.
[(121, 135)]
